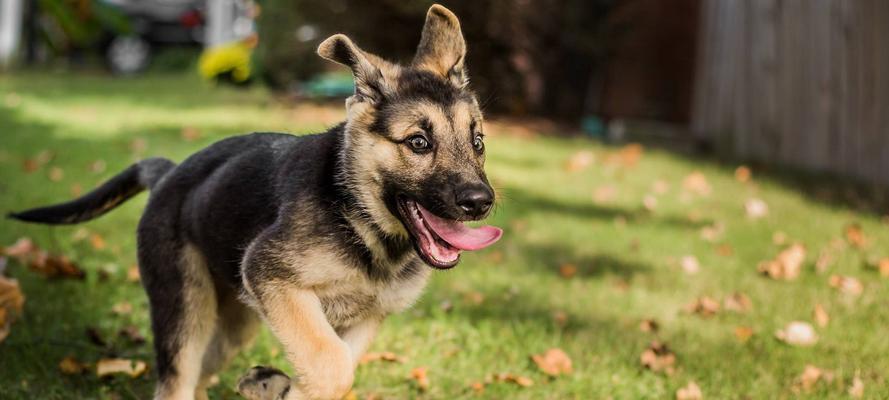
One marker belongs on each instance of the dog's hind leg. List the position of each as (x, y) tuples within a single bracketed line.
[(184, 310), (237, 326)]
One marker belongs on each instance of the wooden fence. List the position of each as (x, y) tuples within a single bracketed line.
[(796, 82)]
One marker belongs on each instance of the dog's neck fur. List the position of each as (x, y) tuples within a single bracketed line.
[(364, 210)]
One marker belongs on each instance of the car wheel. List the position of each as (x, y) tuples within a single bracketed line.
[(128, 54)]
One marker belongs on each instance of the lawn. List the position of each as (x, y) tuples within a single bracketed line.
[(593, 247)]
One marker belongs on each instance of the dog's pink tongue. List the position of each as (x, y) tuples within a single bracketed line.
[(459, 235)]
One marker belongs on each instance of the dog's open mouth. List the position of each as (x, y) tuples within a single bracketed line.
[(440, 241)]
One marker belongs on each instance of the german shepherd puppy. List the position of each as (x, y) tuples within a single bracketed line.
[(320, 236)]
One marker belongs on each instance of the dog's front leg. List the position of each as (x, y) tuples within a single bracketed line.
[(323, 362)]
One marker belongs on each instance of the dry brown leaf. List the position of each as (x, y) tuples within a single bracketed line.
[(855, 236), (713, 233), (381, 356), (110, 366), (553, 362), (738, 302), (825, 258), (810, 377), (883, 267), (743, 174), (743, 333), (697, 183), (690, 264), (56, 174), (190, 133), (138, 146), (11, 302), (798, 333), (70, 366), (420, 375), (133, 273), (690, 392), (560, 318), (97, 241), (821, 316), (477, 387), (474, 297), (756, 208), (704, 306), (649, 202), (846, 285), (97, 167), (54, 266), (856, 390), (567, 270), (131, 333), (725, 250), (579, 161), (649, 326), (522, 381), (22, 249), (658, 358), (122, 308), (786, 265)]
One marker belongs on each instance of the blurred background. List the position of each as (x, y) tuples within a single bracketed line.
[(652, 159)]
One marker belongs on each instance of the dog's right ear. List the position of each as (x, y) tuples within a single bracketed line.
[(370, 84)]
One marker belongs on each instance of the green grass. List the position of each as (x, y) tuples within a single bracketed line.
[(625, 257)]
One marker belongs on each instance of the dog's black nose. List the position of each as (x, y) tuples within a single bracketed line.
[(475, 201)]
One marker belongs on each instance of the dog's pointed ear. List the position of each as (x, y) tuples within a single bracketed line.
[(442, 49), (370, 84)]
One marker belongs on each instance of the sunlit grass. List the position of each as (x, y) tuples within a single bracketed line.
[(500, 305)]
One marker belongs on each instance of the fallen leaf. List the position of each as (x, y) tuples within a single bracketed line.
[(11, 302), (97, 241), (825, 258), (690, 265), (190, 133), (798, 333), (553, 362), (382, 356), (56, 174), (649, 202), (76, 190), (649, 326), (810, 377), (697, 183), (846, 285), (110, 366), (704, 306), (856, 390), (821, 317), (22, 249), (579, 161), (474, 297), (477, 387), (743, 333), (690, 392), (883, 266), (560, 318), (420, 375), (658, 358), (567, 270), (55, 266), (70, 366), (713, 233), (133, 273), (786, 265), (756, 208), (122, 308), (131, 333), (522, 381), (725, 250), (738, 302), (743, 174), (855, 236), (138, 146)]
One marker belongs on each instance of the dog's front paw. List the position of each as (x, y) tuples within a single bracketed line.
[(264, 383)]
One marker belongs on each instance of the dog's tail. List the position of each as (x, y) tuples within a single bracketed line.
[(138, 177)]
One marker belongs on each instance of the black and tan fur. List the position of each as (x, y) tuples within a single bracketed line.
[(304, 233)]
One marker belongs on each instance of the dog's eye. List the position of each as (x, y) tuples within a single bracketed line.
[(418, 143), (479, 142)]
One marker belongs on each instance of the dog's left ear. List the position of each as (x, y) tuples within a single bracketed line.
[(442, 49), (368, 69)]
